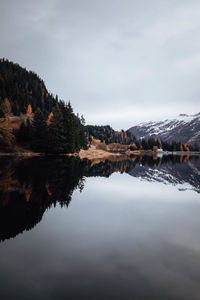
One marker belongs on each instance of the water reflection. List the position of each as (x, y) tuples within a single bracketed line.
[(29, 187), (126, 236), (183, 171)]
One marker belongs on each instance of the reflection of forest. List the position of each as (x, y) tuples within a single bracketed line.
[(167, 169), (106, 168), (29, 187)]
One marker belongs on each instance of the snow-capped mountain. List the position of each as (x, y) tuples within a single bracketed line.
[(185, 129)]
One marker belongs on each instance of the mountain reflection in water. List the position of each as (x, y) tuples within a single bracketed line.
[(29, 187)]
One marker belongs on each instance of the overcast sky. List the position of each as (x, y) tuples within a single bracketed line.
[(119, 62)]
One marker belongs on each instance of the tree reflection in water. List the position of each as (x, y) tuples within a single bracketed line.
[(29, 187)]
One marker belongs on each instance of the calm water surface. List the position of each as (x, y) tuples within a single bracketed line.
[(127, 230)]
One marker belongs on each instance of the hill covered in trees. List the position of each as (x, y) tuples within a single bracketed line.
[(33, 117), (109, 135), (19, 88)]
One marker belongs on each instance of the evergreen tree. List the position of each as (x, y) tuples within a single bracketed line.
[(39, 132), (23, 134), (57, 141), (68, 124)]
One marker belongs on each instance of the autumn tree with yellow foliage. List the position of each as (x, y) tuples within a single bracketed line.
[(6, 136)]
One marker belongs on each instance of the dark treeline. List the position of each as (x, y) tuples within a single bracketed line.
[(155, 143), (108, 135), (63, 133), (46, 124)]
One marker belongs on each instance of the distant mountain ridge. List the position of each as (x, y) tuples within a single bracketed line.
[(185, 129)]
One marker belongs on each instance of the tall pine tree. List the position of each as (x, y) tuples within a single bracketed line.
[(39, 132), (57, 141)]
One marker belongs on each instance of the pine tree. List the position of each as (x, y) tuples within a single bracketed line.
[(68, 118), (39, 132), (57, 141)]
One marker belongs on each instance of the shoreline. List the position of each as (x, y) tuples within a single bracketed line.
[(92, 154)]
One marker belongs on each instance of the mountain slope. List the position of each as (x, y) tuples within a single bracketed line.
[(184, 129), (33, 118), (19, 88)]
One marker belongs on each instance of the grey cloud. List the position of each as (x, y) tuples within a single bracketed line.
[(120, 62)]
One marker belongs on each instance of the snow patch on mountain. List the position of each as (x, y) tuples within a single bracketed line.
[(184, 128)]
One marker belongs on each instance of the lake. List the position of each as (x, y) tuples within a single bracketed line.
[(121, 229)]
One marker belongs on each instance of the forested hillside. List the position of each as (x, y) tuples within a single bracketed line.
[(33, 117), (21, 88), (109, 135)]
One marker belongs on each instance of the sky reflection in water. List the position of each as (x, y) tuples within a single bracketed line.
[(120, 238)]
